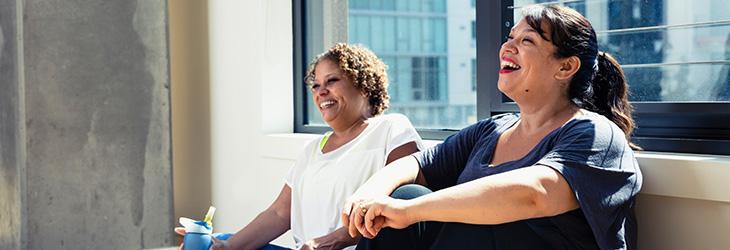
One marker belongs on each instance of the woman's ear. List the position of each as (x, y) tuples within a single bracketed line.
[(568, 67)]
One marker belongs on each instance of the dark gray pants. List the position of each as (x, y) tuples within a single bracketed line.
[(437, 235)]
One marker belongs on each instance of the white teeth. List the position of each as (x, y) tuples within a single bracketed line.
[(506, 64), (326, 104)]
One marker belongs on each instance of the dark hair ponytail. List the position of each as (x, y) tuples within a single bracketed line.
[(599, 85), (610, 96)]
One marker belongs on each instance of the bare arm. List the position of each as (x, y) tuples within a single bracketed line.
[(530, 192), (269, 224), (399, 172), (401, 151)]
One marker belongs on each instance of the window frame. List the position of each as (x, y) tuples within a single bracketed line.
[(684, 127)]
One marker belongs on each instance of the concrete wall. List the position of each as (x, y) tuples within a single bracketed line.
[(11, 179), (92, 116)]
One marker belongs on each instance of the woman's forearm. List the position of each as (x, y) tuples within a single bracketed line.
[(400, 172), (502, 198), (267, 226)]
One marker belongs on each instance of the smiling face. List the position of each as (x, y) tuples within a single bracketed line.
[(528, 65), (337, 99)]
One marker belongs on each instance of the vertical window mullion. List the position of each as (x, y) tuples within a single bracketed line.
[(490, 32)]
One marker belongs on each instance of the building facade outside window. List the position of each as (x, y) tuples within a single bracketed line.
[(428, 46), (675, 54)]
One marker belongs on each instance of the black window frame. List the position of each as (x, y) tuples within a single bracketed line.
[(683, 127)]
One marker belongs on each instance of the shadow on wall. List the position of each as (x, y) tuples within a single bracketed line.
[(190, 108)]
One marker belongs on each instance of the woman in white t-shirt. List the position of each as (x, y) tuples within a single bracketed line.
[(349, 88)]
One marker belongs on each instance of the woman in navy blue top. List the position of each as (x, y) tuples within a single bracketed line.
[(560, 175)]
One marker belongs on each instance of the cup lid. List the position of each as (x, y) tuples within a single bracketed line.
[(192, 226)]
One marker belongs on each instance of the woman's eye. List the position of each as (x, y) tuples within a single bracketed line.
[(314, 87), (527, 40)]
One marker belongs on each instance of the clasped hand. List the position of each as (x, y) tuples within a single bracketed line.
[(367, 216)]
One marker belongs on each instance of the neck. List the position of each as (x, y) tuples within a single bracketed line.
[(348, 128), (546, 116)]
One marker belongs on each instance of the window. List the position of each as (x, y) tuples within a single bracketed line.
[(675, 53), (423, 44), (425, 84), (474, 74), (474, 30)]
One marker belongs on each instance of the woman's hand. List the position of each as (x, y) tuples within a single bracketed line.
[(369, 216), (217, 244), (319, 243), (180, 231), (337, 239), (349, 211)]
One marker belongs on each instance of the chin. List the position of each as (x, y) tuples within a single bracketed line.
[(328, 119), (506, 93), (502, 87)]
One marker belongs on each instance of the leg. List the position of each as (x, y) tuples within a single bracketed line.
[(508, 236), (273, 247), (417, 236)]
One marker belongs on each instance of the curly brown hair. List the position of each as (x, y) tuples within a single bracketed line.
[(366, 71)]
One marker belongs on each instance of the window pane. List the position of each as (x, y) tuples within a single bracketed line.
[(429, 52), (671, 51), (474, 74), (422, 47)]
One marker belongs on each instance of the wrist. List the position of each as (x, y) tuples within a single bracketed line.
[(345, 240), (411, 209)]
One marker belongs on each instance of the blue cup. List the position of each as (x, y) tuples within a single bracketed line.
[(197, 241), (202, 241), (197, 234)]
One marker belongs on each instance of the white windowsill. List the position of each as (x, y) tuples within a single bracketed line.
[(690, 176)]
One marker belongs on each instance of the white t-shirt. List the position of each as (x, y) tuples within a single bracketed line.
[(321, 182)]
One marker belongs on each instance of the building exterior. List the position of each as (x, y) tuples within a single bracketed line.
[(430, 48)]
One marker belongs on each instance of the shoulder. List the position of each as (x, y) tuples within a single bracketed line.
[(495, 122), (595, 127), (594, 122), (392, 120)]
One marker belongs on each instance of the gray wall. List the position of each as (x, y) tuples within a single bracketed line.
[(91, 167), (10, 179)]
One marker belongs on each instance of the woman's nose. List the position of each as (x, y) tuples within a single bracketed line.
[(322, 90), (508, 46)]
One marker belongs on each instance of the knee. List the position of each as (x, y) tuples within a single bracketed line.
[(410, 191)]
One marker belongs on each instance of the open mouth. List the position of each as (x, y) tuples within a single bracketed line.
[(506, 66), (326, 104)]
